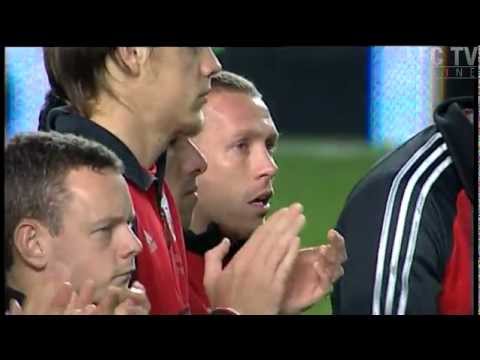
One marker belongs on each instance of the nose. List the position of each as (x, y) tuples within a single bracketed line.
[(195, 163), (210, 64), (130, 244), (267, 167)]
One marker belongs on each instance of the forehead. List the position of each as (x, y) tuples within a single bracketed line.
[(231, 113), (96, 195)]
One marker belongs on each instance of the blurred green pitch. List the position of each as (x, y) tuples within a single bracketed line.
[(319, 173)]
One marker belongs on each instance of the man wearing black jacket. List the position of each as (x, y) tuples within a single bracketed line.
[(408, 225)]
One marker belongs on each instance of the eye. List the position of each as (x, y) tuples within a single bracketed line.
[(132, 226), (242, 146), (271, 147), (105, 229), (104, 234)]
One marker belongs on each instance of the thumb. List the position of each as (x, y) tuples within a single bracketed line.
[(123, 308), (15, 308), (214, 262), (61, 298)]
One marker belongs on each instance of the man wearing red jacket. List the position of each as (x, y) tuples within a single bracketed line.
[(136, 100), (233, 192)]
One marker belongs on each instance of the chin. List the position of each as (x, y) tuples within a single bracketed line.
[(239, 229), (193, 127), (99, 294), (256, 222), (247, 231)]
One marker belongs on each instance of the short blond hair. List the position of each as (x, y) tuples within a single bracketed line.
[(226, 80)]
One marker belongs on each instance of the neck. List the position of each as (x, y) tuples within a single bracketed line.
[(145, 144), (21, 279), (199, 225), (235, 238)]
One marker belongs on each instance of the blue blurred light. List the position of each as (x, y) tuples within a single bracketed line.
[(26, 86), (402, 93)]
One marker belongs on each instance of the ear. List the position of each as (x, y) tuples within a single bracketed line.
[(133, 58), (32, 242)]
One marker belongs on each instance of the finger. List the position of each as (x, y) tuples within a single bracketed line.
[(85, 295), (260, 237), (289, 224), (61, 298), (137, 310), (310, 252), (327, 268), (323, 284), (130, 309), (122, 308), (332, 255), (90, 309), (320, 266), (109, 302), (214, 262), (138, 285), (338, 274), (286, 265), (15, 308), (323, 274), (283, 239), (73, 301), (338, 243), (325, 281), (87, 310), (137, 292), (139, 296), (322, 252), (333, 272), (76, 312), (281, 229)]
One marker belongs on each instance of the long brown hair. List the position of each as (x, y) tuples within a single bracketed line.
[(77, 74)]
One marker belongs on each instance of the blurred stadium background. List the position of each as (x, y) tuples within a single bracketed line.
[(338, 109)]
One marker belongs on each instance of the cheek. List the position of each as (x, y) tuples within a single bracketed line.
[(184, 84), (92, 263), (211, 186), (226, 180), (80, 257), (224, 197), (89, 264), (67, 250), (99, 269)]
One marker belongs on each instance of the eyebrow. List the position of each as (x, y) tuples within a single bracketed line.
[(250, 133), (111, 221)]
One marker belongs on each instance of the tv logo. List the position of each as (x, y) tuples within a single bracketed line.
[(457, 70)]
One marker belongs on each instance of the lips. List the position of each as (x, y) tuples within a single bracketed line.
[(192, 190), (262, 200), (203, 96), (125, 274)]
